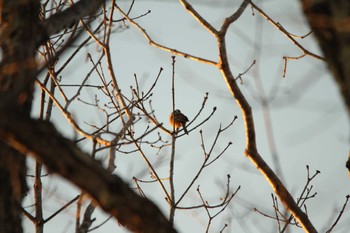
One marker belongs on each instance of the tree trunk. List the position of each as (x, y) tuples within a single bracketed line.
[(329, 21), (12, 189), (17, 70)]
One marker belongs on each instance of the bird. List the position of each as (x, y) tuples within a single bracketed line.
[(177, 120)]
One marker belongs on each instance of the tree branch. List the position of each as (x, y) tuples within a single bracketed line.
[(70, 16), (40, 140)]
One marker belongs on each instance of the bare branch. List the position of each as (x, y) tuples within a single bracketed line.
[(340, 215), (70, 16), (199, 18), (165, 48), (61, 209)]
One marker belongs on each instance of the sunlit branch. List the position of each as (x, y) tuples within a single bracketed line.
[(198, 17), (285, 61)]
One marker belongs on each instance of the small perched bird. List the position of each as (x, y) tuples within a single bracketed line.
[(177, 120)]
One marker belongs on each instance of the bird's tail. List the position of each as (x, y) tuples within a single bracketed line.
[(185, 129)]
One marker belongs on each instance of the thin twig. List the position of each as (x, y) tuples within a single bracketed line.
[(165, 48), (61, 209), (339, 215)]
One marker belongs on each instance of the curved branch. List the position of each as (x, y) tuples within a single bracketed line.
[(251, 149)]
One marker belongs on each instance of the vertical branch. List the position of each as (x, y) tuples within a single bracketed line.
[(78, 213), (173, 86), (87, 220), (39, 221), (38, 201), (172, 156)]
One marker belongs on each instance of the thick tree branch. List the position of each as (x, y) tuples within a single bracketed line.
[(41, 140), (251, 149), (70, 16)]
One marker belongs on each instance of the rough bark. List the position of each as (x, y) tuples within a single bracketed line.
[(17, 75)]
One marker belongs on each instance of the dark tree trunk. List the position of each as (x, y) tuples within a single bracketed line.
[(17, 72), (329, 21), (12, 189)]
